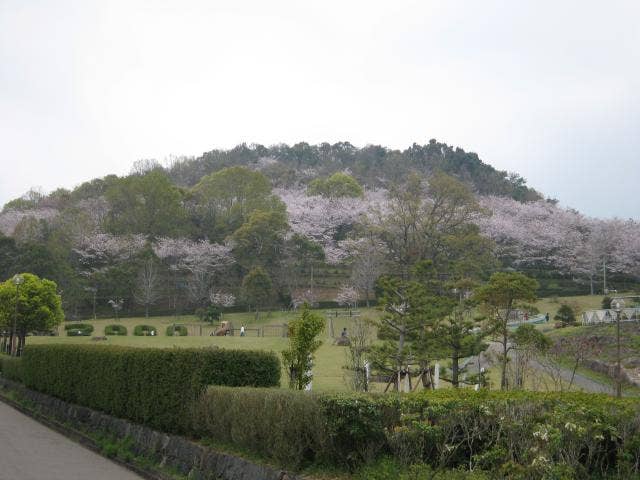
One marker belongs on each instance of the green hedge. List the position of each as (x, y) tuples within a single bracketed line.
[(155, 387), (177, 330), (115, 330), (282, 425), (522, 434), (142, 330), (11, 367), (78, 329)]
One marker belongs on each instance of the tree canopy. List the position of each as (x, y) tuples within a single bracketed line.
[(34, 305)]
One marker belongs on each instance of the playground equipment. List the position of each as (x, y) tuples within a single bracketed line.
[(225, 328)]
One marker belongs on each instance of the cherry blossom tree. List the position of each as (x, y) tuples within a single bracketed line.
[(347, 296), (148, 285), (543, 234), (325, 220), (10, 219), (201, 260)]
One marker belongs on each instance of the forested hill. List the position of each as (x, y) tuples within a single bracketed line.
[(374, 166), (267, 227)]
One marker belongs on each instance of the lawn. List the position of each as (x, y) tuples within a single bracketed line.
[(328, 371)]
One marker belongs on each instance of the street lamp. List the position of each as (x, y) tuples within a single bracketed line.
[(617, 304), (17, 281)]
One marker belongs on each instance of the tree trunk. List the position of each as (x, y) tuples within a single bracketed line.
[(504, 359), (146, 310), (455, 368)]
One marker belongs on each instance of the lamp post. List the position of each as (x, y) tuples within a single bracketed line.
[(617, 304), (17, 281)]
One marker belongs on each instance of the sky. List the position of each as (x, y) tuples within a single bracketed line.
[(548, 89)]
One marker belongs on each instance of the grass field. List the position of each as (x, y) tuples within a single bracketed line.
[(328, 369)]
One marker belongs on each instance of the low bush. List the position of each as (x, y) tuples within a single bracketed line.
[(145, 330), (11, 367), (115, 330), (177, 331), (283, 425), (515, 434), (78, 329), (154, 387)]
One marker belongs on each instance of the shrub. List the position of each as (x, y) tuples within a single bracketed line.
[(115, 330), (177, 330), (286, 426), (357, 425), (154, 387), (11, 367), (210, 314), (511, 434), (144, 330), (78, 329)]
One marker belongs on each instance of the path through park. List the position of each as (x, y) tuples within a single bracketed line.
[(31, 451)]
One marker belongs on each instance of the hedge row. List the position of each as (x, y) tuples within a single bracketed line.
[(177, 330), (154, 387), (78, 329), (11, 367), (518, 435), (115, 330)]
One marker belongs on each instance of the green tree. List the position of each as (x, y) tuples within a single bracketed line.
[(149, 204), (8, 256), (259, 241), (227, 198), (303, 342), (406, 328), (499, 299), (257, 289), (336, 186), (566, 315), (459, 336), (32, 306), (429, 222)]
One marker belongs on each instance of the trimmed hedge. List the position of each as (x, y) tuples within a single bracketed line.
[(154, 387), (282, 425), (115, 330), (78, 329), (143, 330), (515, 434), (177, 331), (11, 367)]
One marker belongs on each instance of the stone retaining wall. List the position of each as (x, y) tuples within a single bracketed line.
[(189, 458)]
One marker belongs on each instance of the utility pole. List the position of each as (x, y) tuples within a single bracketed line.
[(617, 304)]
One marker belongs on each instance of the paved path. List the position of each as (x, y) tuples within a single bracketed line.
[(580, 381), (31, 451)]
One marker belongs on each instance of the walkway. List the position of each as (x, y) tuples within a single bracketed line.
[(31, 451)]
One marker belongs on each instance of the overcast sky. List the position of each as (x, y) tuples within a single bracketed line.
[(548, 89)]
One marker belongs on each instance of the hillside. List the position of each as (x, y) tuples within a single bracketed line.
[(264, 227), (373, 166)]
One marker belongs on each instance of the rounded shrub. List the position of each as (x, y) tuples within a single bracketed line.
[(177, 331), (115, 330), (78, 329), (144, 330)]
